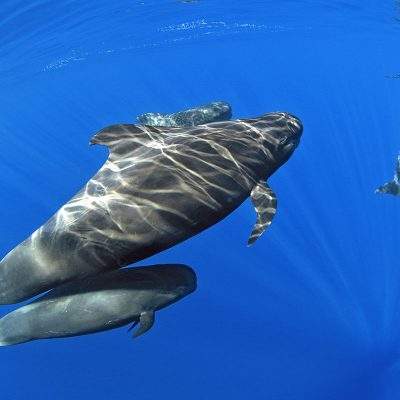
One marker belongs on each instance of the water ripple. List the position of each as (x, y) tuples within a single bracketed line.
[(44, 36)]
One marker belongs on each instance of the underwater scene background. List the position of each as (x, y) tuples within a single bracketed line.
[(311, 310)]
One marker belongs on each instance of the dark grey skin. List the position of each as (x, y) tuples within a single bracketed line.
[(99, 303), (392, 187), (205, 114), (159, 186)]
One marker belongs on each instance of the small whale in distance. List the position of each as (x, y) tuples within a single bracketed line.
[(207, 113), (159, 187), (397, 76), (392, 187), (99, 303)]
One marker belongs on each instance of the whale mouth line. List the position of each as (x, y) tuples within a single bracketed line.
[(4, 343)]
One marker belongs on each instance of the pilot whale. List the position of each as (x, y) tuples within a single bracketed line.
[(392, 187), (99, 303), (212, 112), (158, 187)]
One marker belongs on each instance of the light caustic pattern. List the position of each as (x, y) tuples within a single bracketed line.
[(212, 112), (158, 187)]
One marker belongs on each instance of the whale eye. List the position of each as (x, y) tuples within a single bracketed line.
[(283, 140)]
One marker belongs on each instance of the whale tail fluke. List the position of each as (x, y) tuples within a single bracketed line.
[(392, 187)]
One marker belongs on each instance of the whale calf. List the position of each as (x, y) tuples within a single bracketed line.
[(158, 187), (212, 112), (99, 303), (392, 187)]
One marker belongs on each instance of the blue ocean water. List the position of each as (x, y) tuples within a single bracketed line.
[(311, 310)]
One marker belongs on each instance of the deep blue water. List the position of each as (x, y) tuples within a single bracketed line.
[(311, 311)]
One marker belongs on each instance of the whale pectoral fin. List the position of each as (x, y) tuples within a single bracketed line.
[(264, 201), (146, 321), (133, 325)]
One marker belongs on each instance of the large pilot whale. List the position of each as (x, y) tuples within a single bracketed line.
[(392, 187), (158, 187), (204, 114), (99, 303)]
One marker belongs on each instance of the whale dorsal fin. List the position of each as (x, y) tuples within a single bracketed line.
[(146, 321), (127, 136), (264, 201)]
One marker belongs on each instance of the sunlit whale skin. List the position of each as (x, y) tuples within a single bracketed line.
[(158, 187), (392, 187), (207, 113), (99, 303)]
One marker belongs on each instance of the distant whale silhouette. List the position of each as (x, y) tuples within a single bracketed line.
[(392, 187), (99, 303), (207, 113), (158, 187)]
